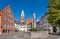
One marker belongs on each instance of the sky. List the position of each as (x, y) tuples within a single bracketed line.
[(39, 7)]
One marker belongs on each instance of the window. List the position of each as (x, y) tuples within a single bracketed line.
[(45, 22), (11, 21), (20, 27), (4, 25), (8, 20), (7, 26), (10, 26), (40, 23), (45, 27), (49, 26), (23, 27), (8, 14), (5, 19)]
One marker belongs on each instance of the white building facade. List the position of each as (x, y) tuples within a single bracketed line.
[(23, 27), (17, 27)]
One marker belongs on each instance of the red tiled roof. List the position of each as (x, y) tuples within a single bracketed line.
[(29, 21)]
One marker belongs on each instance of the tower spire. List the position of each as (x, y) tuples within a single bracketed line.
[(22, 16), (22, 13)]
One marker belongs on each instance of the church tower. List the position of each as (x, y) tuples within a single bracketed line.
[(34, 20), (22, 16)]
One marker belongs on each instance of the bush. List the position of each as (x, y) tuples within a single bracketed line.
[(34, 29)]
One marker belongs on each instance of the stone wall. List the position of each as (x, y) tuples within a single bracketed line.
[(41, 34)]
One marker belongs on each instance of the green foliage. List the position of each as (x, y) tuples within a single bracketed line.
[(54, 4), (34, 29), (16, 30), (54, 12)]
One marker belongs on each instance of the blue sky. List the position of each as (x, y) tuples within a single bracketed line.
[(29, 7)]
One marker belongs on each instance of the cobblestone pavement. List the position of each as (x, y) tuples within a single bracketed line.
[(20, 35), (58, 37)]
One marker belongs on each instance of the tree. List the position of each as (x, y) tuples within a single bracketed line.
[(54, 12), (54, 4)]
